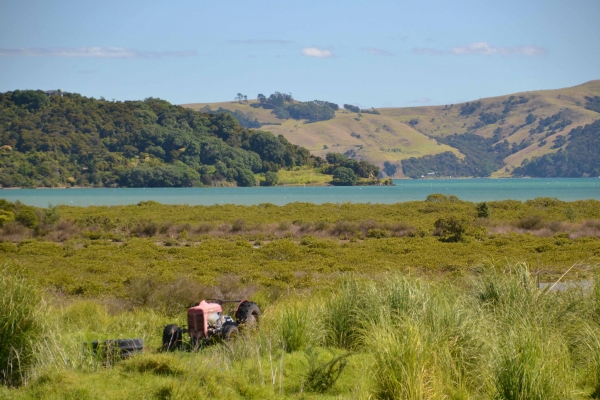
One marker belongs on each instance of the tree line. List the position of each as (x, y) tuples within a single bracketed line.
[(284, 107)]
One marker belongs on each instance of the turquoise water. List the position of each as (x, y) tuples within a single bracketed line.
[(567, 189)]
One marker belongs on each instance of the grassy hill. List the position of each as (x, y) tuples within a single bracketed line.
[(400, 133), (375, 138)]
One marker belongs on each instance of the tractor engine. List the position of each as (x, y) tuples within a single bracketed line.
[(205, 320)]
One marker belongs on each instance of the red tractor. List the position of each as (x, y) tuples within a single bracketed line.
[(206, 321)]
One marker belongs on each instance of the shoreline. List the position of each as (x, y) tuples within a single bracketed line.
[(296, 185)]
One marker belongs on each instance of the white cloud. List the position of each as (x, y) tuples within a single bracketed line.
[(487, 49), (92, 52), (376, 52), (316, 52)]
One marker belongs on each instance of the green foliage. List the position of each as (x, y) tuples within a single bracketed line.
[(579, 157), (483, 210), (453, 228), (21, 326), (592, 103), (271, 179), (6, 216), (352, 108), (469, 108), (293, 327), (482, 157), (73, 140), (344, 177), (553, 123), (284, 107), (247, 120), (27, 216), (321, 376), (362, 169)]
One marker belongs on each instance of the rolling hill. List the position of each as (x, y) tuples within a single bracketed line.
[(532, 123)]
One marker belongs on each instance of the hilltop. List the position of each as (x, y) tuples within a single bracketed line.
[(490, 136)]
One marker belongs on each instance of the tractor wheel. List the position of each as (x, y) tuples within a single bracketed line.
[(248, 314), (229, 332), (172, 338)]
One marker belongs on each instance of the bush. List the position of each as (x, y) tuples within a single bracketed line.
[(483, 210), (344, 177), (20, 327), (27, 217), (271, 179), (531, 222), (453, 228)]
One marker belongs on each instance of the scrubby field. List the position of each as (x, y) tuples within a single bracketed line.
[(432, 299)]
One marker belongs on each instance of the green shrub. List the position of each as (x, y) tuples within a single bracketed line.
[(6, 216), (452, 228), (483, 210), (27, 217)]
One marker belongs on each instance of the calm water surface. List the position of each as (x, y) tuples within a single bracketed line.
[(567, 189)]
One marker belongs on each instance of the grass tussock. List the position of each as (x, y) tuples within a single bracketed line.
[(21, 327)]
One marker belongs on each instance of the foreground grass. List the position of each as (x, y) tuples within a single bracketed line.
[(359, 301), (491, 335)]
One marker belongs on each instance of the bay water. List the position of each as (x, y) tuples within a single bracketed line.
[(476, 190)]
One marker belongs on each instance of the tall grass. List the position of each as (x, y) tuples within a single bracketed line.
[(494, 335), (21, 326), (400, 355), (293, 327)]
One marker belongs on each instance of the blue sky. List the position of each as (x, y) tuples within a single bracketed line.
[(376, 53)]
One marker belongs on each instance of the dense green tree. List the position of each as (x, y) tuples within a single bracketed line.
[(268, 147), (352, 108), (483, 210), (245, 177), (344, 177)]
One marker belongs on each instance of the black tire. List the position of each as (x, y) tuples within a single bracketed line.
[(112, 350), (172, 338), (229, 332), (128, 347), (248, 314)]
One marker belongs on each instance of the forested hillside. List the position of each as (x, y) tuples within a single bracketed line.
[(73, 140), (581, 157)]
